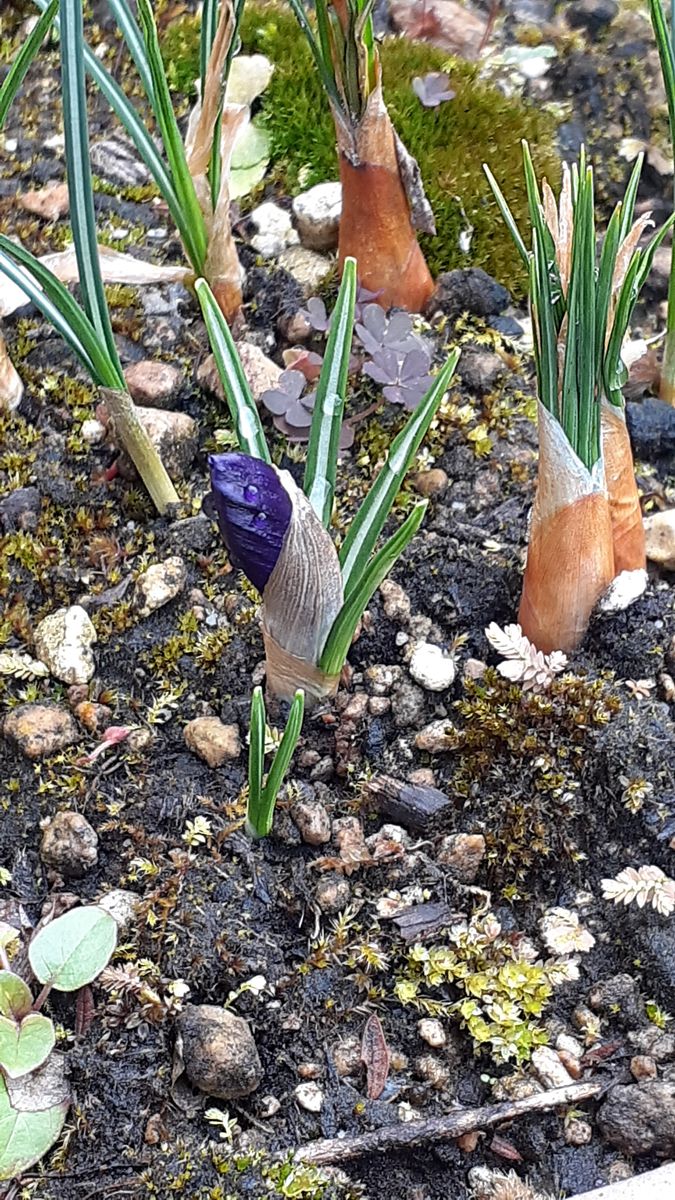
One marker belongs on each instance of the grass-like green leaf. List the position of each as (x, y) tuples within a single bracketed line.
[(579, 402), (320, 48), (507, 216), (78, 172), (324, 435), (136, 46), (17, 72), (340, 637), (370, 519), (256, 757), (283, 756), (56, 304), (193, 228), (242, 406)]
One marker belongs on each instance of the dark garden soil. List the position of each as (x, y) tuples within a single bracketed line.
[(566, 788)]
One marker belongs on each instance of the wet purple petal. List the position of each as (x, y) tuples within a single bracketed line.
[(254, 511)]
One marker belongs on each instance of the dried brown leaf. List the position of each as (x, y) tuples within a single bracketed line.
[(375, 1057)]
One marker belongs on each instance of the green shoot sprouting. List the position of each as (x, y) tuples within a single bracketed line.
[(344, 50), (19, 68), (262, 796)]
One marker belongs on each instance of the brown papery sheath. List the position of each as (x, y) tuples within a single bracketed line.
[(570, 561), (628, 533), (376, 226)]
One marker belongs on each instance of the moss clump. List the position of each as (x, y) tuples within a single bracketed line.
[(450, 142), (503, 994)]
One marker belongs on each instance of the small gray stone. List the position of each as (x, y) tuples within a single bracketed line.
[(69, 845), (309, 1096), (161, 583), (274, 230), (479, 369), (20, 509), (153, 383), (306, 267), (317, 216), (212, 740), (431, 668), (219, 1052), (63, 642), (437, 736), (639, 1118), (121, 904), (407, 705), (381, 678), (39, 730)]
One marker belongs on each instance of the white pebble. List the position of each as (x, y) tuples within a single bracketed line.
[(431, 668)]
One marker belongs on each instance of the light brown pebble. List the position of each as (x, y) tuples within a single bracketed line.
[(643, 1067), (212, 740), (69, 844), (347, 1057), (462, 854), (432, 1070), (40, 730), (309, 1070), (332, 893), (312, 821), (153, 383), (577, 1131), (432, 1032), (431, 483)]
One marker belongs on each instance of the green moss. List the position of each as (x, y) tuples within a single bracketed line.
[(450, 142)]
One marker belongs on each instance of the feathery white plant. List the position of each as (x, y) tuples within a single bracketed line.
[(524, 663), (642, 885)]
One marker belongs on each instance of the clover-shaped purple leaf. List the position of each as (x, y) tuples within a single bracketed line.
[(316, 315), (376, 331), (433, 89), (290, 387), (383, 367)]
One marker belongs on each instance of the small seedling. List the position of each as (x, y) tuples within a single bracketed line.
[(262, 797), (66, 954)]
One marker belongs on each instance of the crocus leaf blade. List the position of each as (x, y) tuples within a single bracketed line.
[(507, 215), (78, 170), (369, 521), (196, 246), (21, 64), (242, 406), (57, 305), (256, 757), (283, 756), (340, 637), (324, 436)]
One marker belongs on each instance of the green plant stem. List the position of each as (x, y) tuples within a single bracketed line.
[(134, 438)]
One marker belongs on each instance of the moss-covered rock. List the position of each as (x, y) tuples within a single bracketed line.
[(450, 142)]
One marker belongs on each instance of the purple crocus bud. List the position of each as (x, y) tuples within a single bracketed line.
[(254, 512)]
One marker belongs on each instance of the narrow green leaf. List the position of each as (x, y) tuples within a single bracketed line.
[(369, 520), (57, 305), (78, 171), (72, 950), (135, 43), (543, 323), (282, 758), (340, 637), (324, 435), (507, 216), (323, 61), (193, 225), (627, 205), (207, 33), (242, 406), (17, 72), (256, 756)]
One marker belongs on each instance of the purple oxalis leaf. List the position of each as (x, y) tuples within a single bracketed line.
[(433, 89), (278, 399), (254, 512)]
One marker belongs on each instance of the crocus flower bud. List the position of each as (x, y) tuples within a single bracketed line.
[(254, 511), (276, 538)]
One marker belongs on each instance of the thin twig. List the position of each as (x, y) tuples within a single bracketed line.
[(467, 1120)]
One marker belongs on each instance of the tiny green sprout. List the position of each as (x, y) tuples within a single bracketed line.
[(228, 1127), (657, 1015), (262, 797)]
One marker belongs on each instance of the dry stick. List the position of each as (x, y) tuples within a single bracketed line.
[(413, 1133)]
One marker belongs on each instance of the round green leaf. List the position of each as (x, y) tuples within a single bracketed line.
[(15, 997), (25, 1046), (250, 158), (26, 1136), (72, 950)]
